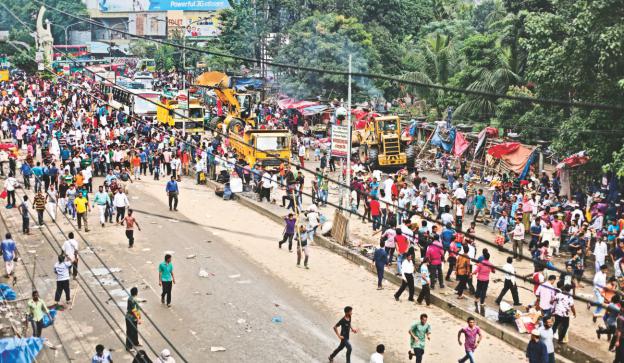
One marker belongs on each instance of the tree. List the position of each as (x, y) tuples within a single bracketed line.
[(164, 58), (326, 41), (435, 65)]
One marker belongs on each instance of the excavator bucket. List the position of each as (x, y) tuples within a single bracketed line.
[(213, 79)]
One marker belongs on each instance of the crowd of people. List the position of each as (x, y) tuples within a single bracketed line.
[(65, 138)]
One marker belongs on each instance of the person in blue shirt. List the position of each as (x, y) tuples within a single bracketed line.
[(380, 260), (447, 236), (38, 173), (9, 250), (172, 192), (143, 159), (26, 173), (536, 350)]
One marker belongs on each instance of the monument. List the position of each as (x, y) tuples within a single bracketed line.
[(43, 38)]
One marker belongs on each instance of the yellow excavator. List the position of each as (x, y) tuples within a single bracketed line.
[(381, 144), (238, 108)]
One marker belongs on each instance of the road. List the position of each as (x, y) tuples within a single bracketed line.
[(235, 307)]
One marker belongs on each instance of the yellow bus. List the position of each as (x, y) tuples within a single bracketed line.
[(184, 116)]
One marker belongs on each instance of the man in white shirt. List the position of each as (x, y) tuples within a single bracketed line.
[(120, 202), (460, 193), (510, 283), (545, 295), (377, 357), (61, 268), (70, 250), (600, 282)]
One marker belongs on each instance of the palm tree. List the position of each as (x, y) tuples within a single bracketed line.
[(435, 65), (495, 81)]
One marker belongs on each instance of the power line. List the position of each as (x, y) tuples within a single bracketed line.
[(121, 285), (329, 179), (554, 102)]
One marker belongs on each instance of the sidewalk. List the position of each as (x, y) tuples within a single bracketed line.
[(581, 334)]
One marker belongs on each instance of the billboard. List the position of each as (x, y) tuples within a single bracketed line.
[(340, 141), (153, 24), (107, 6), (199, 28)]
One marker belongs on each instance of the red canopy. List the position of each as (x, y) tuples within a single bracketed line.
[(461, 144), (574, 160), (505, 148), (288, 103)]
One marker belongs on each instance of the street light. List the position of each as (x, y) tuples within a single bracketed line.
[(184, 50), (67, 28)]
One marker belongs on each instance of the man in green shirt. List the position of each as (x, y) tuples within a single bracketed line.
[(166, 279), (36, 309), (418, 333)]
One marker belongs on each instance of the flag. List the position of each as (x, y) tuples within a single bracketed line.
[(461, 144)]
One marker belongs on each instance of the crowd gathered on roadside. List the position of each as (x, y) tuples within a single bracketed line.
[(64, 138)]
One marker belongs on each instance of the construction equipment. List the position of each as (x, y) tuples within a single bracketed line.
[(380, 143), (238, 108), (267, 148), (182, 113)]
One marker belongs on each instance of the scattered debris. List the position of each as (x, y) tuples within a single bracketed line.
[(243, 282), (148, 262), (234, 276), (277, 319), (196, 293), (146, 249), (169, 252), (217, 349), (32, 251), (101, 271), (203, 273), (173, 220), (241, 321), (190, 257)]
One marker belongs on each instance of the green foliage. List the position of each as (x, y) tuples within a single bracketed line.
[(27, 11), (164, 58), (24, 60), (325, 41)]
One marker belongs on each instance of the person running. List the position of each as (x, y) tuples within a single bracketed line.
[(419, 333), (289, 231), (70, 250), (472, 334), (407, 272), (510, 283), (61, 269), (303, 238), (9, 254), (380, 260), (345, 329), (36, 309), (133, 320), (101, 355), (130, 222), (172, 192), (483, 270), (166, 279)]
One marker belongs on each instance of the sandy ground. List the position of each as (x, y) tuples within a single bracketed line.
[(332, 282)]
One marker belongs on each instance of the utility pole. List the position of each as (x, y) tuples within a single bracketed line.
[(348, 174)]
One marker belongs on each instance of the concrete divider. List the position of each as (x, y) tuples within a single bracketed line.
[(503, 332)]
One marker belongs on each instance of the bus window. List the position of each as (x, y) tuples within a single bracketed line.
[(196, 113)]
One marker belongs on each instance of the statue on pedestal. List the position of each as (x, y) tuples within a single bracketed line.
[(43, 37)]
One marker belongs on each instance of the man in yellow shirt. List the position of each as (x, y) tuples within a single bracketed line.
[(82, 207), (36, 309)]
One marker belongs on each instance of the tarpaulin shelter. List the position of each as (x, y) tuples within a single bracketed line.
[(515, 156), (574, 160), (488, 132), (23, 350), (443, 137), (291, 103), (505, 148), (460, 145)]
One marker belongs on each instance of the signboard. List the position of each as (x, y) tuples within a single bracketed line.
[(108, 6), (151, 24), (340, 140), (39, 57), (201, 28)]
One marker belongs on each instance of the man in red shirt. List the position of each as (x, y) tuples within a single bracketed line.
[(402, 244), (375, 211), (557, 226)]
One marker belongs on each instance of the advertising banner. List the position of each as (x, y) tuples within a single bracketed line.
[(108, 6), (153, 24), (340, 140), (201, 28)]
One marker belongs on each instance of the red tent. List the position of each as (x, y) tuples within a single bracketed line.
[(505, 148)]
